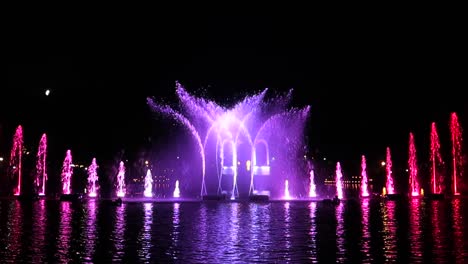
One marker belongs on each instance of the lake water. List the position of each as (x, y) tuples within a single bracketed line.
[(356, 231)]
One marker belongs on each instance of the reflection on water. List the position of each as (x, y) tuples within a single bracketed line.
[(90, 234), (459, 231), (64, 232), (365, 237), (415, 229), (118, 233), (389, 232), (355, 231)]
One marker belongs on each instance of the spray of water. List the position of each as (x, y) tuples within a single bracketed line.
[(121, 180), (338, 180), (364, 187), (93, 178), (457, 162), (176, 193), (312, 187), (287, 195), (67, 171), (390, 189), (413, 167), (148, 192), (16, 159), (41, 167), (436, 161)]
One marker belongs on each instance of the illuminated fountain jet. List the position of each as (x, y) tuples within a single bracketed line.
[(148, 184)]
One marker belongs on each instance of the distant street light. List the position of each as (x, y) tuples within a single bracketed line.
[(47, 92), (383, 163)]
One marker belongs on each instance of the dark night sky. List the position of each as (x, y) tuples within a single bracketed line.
[(370, 79)]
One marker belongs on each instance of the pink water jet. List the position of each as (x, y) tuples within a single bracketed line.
[(436, 161), (16, 159), (92, 178), (67, 172), (148, 192), (339, 181), (176, 193), (388, 167), (121, 180), (312, 187), (41, 167), (287, 195), (457, 159), (413, 167), (364, 180)]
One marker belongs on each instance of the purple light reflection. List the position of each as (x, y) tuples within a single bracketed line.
[(65, 231), (416, 238), (389, 231), (144, 253), (90, 233), (459, 224), (39, 230), (340, 233), (366, 235), (313, 231), (118, 233)]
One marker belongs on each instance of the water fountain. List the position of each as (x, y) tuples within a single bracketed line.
[(312, 187), (413, 168), (224, 136), (388, 168), (436, 164), (148, 184), (457, 158), (176, 193), (121, 180), (339, 181), (92, 178), (286, 196), (41, 166), (364, 187), (16, 160), (67, 172)]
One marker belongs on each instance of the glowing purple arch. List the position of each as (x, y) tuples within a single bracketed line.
[(226, 126)]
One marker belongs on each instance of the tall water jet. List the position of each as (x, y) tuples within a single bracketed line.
[(364, 187), (413, 167), (148, 192), (92, 178), (16, 160), (121, 180), (287, 195), (41, 167), (312, 187), (457, 162), (436, 161), (390, 189), (176, 193), (67, 171), (339, 181)]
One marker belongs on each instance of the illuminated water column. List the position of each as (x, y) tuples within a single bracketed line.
[(264, 169), (232, 169)]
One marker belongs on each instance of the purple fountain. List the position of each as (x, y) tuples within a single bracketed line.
[(436, 162), (41, 167), (92, 178), (16, 160), (67, 172), (413, 167), (339, 181), (312, 187), (121, 180), (148, 184), (364, 187), (257, 131), (390, 189), (176, 193), (457, 154)]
